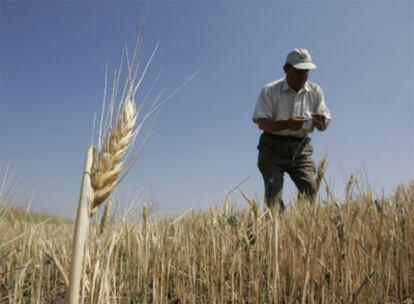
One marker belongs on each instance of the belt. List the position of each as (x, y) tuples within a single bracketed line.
[(285, 138)]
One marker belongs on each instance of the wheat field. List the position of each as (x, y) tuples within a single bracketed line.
[(359, 250)]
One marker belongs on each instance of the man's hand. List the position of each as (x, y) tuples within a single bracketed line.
[(320, 121), (295, 123)]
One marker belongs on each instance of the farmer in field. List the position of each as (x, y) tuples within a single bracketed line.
[(287, 111)]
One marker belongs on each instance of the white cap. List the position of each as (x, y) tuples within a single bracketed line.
[(300, 59)]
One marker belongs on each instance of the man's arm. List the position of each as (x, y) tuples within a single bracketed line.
[(268, 125), (321, 116)]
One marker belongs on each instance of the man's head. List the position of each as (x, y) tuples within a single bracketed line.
[(297, 66)]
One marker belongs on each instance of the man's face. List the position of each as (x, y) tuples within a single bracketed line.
[(295, 77)]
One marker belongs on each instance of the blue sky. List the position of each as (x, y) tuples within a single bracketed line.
[(53, 57)]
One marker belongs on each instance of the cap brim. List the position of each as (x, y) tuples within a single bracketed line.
[(305, 66)]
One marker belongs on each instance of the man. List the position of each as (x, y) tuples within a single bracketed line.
[(287, 111)]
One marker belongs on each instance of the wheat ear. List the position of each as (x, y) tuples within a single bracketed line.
[(321, 172), (108, 163)]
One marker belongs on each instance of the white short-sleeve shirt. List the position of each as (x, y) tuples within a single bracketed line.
[(278, 101)]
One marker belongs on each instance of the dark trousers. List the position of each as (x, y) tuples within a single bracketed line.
[(280, 154)]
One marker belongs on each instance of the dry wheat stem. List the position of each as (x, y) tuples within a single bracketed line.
[(81, 231), (106, 166)]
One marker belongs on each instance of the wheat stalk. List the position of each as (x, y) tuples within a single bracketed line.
[(81, 230), (102, 174), (105, 166)]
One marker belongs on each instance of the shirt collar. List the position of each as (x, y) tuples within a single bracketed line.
[(286, 87)]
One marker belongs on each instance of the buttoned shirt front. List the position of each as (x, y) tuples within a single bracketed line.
[(278, 101)]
